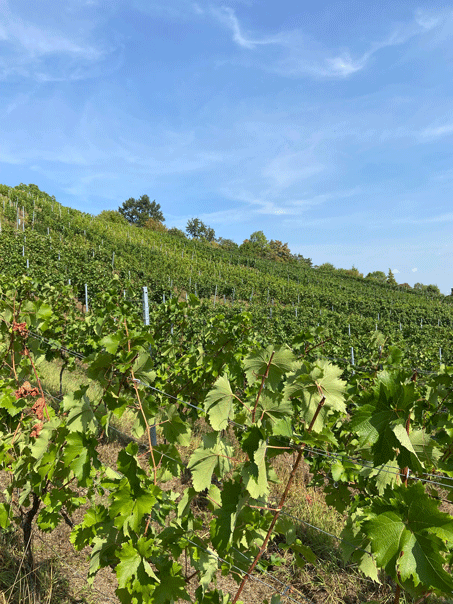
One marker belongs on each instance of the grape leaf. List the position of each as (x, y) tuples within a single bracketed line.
[(174, 428), (408, 534), (306, 384), (225, 517), (219, 404), (173, 588), (80, 414), (212, 457), (111, 342), (255, 473), (255, 365)]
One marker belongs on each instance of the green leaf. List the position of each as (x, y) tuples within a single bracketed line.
[(76, 455), (111, 342), (40, 444), (285, 526), (274, 408), (256, 364), (304, 551), (207, 564), (408, 536), (219, 404), (167, 458), (129, 508), (9, 402), (309, 384), (130, 560), (81, 417), (385, 475), (403, 438), (425, 447), (44, 311), (212, 457), (5, 519), (225, 518), (212, 597), (254, 473), (174, 428), (173, 588), (133, 563)]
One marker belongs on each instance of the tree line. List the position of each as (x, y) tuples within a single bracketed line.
[(147, 214)]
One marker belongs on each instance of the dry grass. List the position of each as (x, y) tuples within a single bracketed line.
[(47, 583)]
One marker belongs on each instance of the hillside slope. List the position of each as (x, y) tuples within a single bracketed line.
[(53, 243)]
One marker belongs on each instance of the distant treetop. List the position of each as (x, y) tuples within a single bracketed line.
[(197, 229), (138, 211)]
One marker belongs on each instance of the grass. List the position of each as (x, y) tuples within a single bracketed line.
[(52, 585), (71, 380)]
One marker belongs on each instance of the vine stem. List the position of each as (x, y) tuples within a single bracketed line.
[(148, 427), (280, 505), (266, 374), (406, 475), (397, 594)]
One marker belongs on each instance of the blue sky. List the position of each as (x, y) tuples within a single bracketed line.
[(325, 124)]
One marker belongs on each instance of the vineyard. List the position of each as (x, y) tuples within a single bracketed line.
[(226, 377)]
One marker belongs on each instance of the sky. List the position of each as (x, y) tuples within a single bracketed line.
[(328, 125)]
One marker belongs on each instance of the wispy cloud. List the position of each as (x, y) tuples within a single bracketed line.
[(303, 56), (289, 168), (437, 131), (440, 218), (227, 16), (36, 51)]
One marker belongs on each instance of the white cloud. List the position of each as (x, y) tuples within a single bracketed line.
[(287, 169), (227, 16), (305, 57), (32, 50), (344, 65), (437, 131), (426, 20), (440, 218)]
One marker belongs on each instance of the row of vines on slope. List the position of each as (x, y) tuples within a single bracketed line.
[(61, 244), (386, 437)]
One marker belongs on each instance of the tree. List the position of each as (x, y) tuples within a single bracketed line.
[(155, 225), (301, 260), (351, 272), (391, 278), (197, 229), (112, 216), (279, 251), (257, 245), (377, 276), (227, 244), (137, 211), (327, 267), (259, 239), (433, 289), (177, 233)]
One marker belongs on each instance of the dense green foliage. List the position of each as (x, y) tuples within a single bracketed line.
[(138, 211), (385, 438), (249, 359), (284, 298)]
